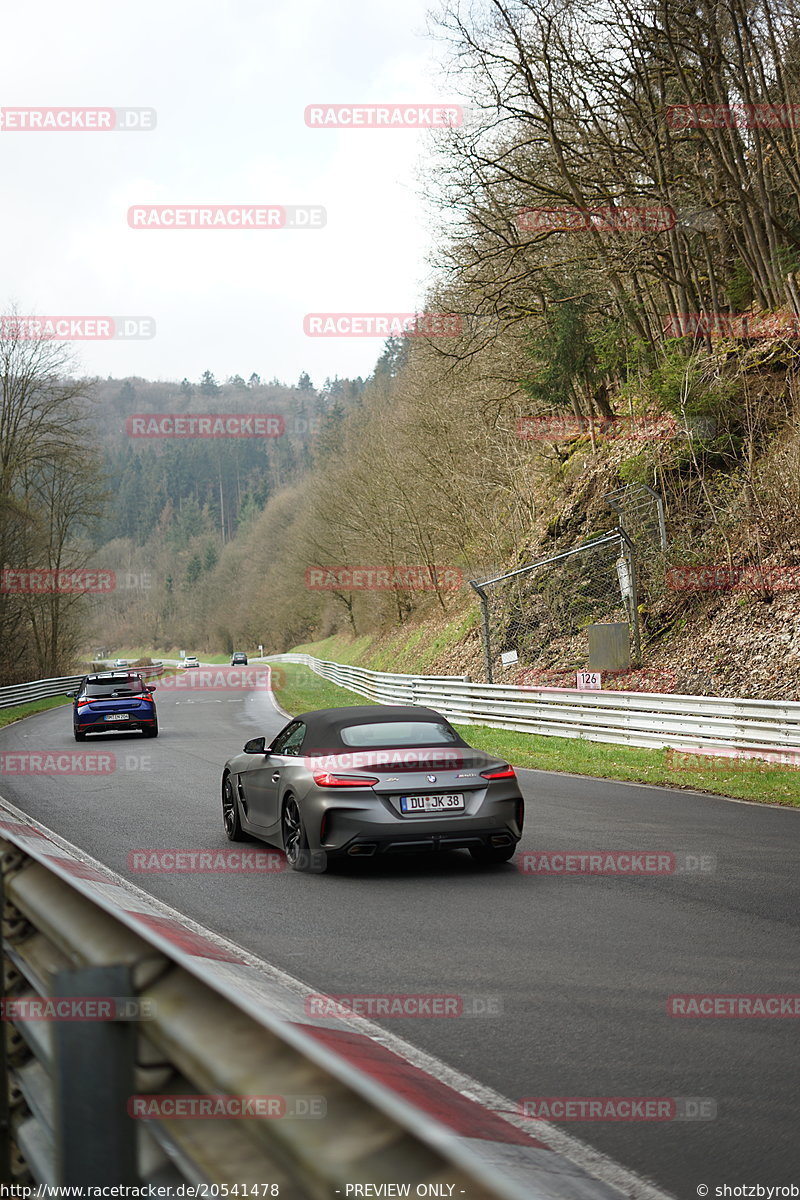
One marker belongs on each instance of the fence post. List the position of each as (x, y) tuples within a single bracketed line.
[(630, 555), (487, 647), (662, 524)]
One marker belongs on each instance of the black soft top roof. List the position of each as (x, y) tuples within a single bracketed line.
[(323, 726)]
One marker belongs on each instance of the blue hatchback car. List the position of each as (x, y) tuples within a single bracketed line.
[(113, 700)]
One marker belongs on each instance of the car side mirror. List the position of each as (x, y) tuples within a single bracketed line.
[(72, 695), (256, 746)]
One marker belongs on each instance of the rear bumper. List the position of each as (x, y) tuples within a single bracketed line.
[(366, 847), (348, 833), (135, 722)]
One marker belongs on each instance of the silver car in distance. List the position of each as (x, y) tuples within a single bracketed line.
[(371, 780)]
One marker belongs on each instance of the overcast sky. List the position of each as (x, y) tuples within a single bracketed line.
[(230, 83)]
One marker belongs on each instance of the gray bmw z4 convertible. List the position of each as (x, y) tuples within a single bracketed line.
[(371, 780)]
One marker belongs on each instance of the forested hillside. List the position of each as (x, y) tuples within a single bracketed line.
[(204, 483)]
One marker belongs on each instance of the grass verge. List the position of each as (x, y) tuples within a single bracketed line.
[(8, 715), (413, 648), (298, 689)]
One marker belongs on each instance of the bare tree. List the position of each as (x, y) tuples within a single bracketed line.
[(48, 491)]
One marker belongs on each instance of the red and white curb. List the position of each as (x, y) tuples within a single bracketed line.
[(532, 1158)]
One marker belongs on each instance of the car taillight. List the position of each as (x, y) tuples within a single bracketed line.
[(83, 703), (326, 779), (504, 772)]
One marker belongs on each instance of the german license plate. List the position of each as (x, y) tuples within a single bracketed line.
[(117, 717), (414, 805)]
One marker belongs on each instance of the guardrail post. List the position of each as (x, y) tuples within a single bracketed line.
[(94, 1079), (487, 645)]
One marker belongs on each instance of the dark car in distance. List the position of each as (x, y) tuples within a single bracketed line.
[(113, 700), (238, 659), (371, 780)]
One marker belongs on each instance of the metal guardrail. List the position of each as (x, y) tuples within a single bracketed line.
[(72, 929), (45, 689), (382, 686), (650, 719)]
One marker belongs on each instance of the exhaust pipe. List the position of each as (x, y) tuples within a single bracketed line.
[(363, 850)]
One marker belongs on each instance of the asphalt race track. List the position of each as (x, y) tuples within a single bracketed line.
[(580, 966)]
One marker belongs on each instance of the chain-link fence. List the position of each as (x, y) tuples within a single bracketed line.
[(641, 515), (538, 615), (535, 620), (640, 510)]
